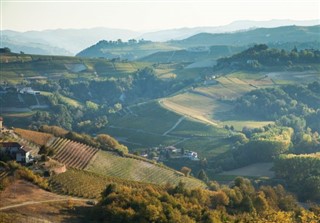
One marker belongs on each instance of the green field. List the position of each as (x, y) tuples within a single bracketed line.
[(150, 125), (212, 104), (109, 164), (147, 117)]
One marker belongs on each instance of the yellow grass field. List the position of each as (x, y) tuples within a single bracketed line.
[(38, 138)]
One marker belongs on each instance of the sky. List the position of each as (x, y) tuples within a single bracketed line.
[(147, 15)]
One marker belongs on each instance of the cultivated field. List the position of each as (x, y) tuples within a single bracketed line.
[(86, 184), (38, 138), (72, 154), (109, 164), (212, 104)]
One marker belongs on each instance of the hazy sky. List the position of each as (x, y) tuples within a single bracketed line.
[(147, 14)]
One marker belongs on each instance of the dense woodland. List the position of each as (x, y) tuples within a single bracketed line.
[(302, 173), (295, 106), (219, 204)]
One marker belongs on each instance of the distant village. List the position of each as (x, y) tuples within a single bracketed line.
[(163, 153)]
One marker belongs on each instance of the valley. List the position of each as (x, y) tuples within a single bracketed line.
[(181, 122)]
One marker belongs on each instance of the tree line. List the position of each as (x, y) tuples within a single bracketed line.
[(260, 56), (240, 202), (302, 174)]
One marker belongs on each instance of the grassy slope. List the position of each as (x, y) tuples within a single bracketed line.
[(108, 164), (146, 125)]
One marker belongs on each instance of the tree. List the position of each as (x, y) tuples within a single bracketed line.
[(203, 176), (92, 106), (261, 203), (219, 198), (186, 171), (247, 205)]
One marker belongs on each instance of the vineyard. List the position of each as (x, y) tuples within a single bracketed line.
[(3, 179), (109, 164), (38, 138), (86, 184), (72, 154), (3, 174)]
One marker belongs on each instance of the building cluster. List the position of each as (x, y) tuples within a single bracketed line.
[(15, 151), (18, 89), (169, 152)]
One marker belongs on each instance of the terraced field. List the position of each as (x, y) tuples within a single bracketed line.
[(109, 164), (72, 154), (86, 184)]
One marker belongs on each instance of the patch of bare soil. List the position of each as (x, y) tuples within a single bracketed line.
[(21, 191), (23, 202)]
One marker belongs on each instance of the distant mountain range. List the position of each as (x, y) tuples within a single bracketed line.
[(183, 33), (72, 41), (283, 34)]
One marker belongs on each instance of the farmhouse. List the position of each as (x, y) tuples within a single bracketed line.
[(15, 151), (191, 155), (28, 90)]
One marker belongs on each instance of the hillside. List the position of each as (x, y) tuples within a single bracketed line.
[(130, 50), (261, 35), (134, 49), (192, 55), (18, 67), (62, 41), (261, 57)]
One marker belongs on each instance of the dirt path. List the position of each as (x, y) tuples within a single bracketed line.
[(174, 126), (23, 193), (43, 201)]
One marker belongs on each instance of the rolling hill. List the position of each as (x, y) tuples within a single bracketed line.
[(203, 41), (62, 41), (261, 35)]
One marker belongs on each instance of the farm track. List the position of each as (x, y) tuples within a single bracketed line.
[(40, 202), (174, 126)]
